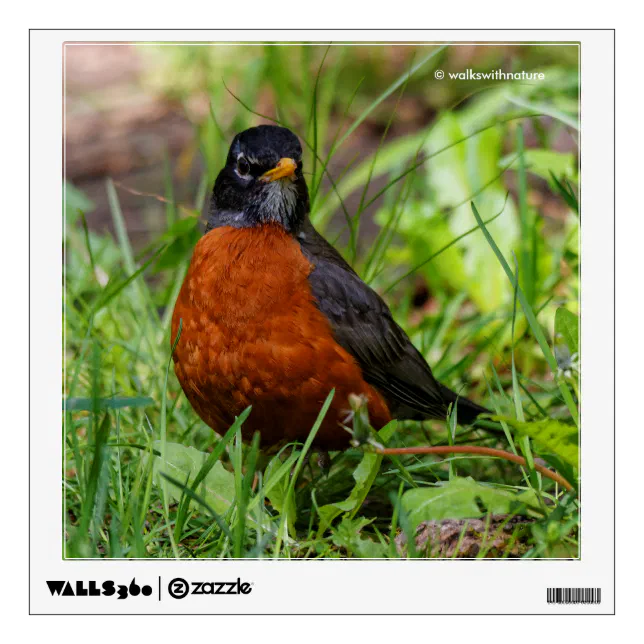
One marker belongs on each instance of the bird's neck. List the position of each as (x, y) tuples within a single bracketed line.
[(291, 218)]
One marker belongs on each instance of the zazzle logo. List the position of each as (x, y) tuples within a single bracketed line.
[(179, 588)]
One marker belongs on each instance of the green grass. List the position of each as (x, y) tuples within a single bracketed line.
[(144, 477)]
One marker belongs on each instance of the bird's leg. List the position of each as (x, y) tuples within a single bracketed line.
[(361, 428), (324, 462)]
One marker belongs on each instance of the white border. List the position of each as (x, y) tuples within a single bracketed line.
[(328, 586)]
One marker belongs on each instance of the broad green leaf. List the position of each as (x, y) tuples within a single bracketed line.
[(426, 233), (569, 118), (543, 162), (183, 464), (364, 476), (208, 464), (551, 436), (183, 240), (453, 175), (348, 535), (181, 227), (465, 498), (568, 471), (276, 480), (567, 325)]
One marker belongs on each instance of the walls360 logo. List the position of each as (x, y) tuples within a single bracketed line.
[(96, 589), (180, 588)]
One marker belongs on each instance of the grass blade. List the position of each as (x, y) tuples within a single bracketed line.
[(390, 90), (532, 321), (298, 469)]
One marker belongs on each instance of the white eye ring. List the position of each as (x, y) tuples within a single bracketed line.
[(243, 167)]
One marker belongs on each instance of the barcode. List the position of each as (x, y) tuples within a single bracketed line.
[(574, 595)]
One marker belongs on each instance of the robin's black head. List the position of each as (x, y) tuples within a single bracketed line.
[(261, 182)]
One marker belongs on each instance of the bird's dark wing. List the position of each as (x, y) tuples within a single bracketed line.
[(363, 325)]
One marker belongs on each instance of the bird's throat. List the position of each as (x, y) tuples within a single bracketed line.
[(278, 202)]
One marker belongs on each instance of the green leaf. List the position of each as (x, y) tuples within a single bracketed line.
[(551, 436), (348, 536), (566, 470), (544, 162), (566, 191), (184, 463), (464, 498), (364, 476), (530, 317), (290, 491), (182, 238), (100, 453), (208, 464), (276, 482), (458, 168), (570, 119), (567, 326)]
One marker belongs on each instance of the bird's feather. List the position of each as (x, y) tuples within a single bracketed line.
[(363, 325)]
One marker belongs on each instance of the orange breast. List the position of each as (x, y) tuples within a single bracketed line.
[(252, 335)]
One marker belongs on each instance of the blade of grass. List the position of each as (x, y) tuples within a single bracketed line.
[(526, 223), (437, 253), (403, 174), (208, 464), (314, 111), (374, 159), (170, 205), (243, 484), (163, 438), (96, 468), (87, 242), (532, 321), (296, 473), (316, 186), (111, 292), (390, 90), (195, 497), (524, 441)]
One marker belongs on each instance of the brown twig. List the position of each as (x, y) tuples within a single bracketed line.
[(189, 211), (475, 449)]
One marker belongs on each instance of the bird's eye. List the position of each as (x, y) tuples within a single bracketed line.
[(243, 167)]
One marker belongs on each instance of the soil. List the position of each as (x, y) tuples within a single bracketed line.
[(502, 536)]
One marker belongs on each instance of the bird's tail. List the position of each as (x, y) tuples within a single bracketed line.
[(467, 411)]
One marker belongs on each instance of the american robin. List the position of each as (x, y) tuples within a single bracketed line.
[(275, 318)]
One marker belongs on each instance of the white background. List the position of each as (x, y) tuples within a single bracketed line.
[(14, 320)]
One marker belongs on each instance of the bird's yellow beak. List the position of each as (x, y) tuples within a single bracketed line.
[(285, 168)]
